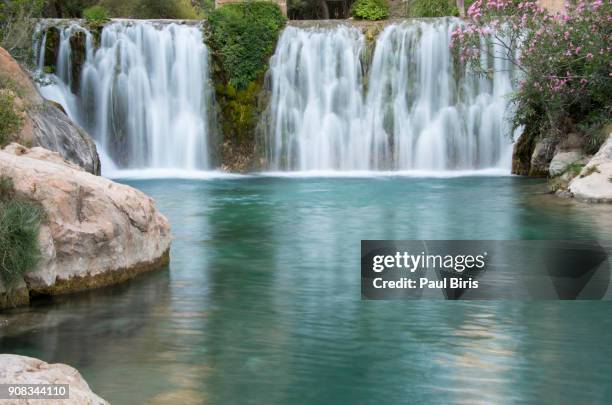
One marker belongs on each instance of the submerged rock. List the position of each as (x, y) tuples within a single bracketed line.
[(96, 233), (16, 369), (594, 183), (43, 124)]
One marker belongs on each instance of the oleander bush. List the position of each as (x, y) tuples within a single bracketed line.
[(19, 226), (564, 82), (370, 9)]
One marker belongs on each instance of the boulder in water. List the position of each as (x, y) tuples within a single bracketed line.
[(16, 369), (96, 233)]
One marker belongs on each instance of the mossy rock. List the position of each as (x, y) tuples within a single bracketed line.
[(78, 54), (521, 154), (51, 49)]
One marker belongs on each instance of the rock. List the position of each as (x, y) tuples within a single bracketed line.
[(16, 369), (543, 153), (43, 123), (96, 233), (594, 184), (53, 130), (563, 160), (571, 141), (521, 154)]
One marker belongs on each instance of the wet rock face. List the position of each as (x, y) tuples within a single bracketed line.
[(16, 369), (44, 124), (96, 232), (53, 130)]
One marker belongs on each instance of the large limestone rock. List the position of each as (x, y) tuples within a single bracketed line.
[(563, 160), (97, 232), (543, 153), (594, 184), (44, 124), (16, 369)]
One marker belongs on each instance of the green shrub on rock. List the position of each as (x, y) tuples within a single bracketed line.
[(370, 9), (433, 8), (95, 14), (150, 9), (19, 226), (242, 37), (9, 119)]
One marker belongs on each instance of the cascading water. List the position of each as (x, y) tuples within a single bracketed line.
[(143, 93), (413, 110), (317, 101)]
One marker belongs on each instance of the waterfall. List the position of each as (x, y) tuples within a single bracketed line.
[(414, 109), (142, 92)]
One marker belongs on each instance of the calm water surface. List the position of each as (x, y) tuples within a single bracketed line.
[(261, 303)]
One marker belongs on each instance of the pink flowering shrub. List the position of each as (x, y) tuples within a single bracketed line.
[(563, 60)]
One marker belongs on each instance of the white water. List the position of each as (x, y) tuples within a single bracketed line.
[(410, 112), (144, 94)]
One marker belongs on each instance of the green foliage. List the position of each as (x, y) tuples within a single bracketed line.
[(17, 25), (370, 9), (239, 108), (206, 7), (575, 168), (564, 84), (177, 9), (596, 127), (150, 9), (95, 14), (242, 37), (11, 121), (7, 83), (19, 226), (433, 8), (120, 8), (66, 8)]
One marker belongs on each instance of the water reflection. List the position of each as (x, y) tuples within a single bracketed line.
[(262, 302)]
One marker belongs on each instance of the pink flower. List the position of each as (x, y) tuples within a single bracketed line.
[(589, 55)]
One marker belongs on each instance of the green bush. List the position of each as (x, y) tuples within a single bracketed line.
[(11, 121), (242, 37), (17, 22), (19, 226), (174, 9), (95, 14), (433, 8), (370, 9), (150, 9)]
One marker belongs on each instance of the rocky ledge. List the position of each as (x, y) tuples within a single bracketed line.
[(96, 232), (594, 182), (27, 370)]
